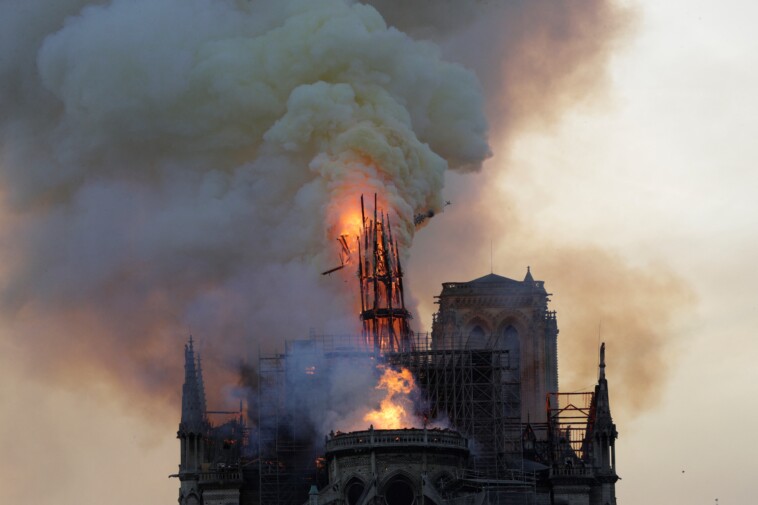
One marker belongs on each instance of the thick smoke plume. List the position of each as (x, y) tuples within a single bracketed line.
[(185, 165), (176, 166), (638, 309), (345, 393), (537, 59), (160, 176)]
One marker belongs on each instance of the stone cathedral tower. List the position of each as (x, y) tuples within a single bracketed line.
[(494, 312)]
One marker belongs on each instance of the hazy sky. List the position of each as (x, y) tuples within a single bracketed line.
[(663, 172), (656, 171)]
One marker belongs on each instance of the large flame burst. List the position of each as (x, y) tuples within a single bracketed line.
[(344, 212), (397, 408)]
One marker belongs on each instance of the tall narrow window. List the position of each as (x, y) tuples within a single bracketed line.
[(511, 343), (476, 338)]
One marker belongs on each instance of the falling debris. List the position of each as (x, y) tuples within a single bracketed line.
[(344, 255), (332, 270), (420, 219)]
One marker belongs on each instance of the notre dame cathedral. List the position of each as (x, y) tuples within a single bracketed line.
[(489, 367)]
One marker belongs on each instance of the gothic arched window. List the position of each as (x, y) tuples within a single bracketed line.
[(399, 491), (510, 341), (476, 337), (354, 491)]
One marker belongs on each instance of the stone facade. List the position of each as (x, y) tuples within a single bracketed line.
[(490, 336), (494, 312), (208, 474), (402, 467)]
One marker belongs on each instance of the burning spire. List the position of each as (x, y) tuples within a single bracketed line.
[(385, 319), (210, 182)]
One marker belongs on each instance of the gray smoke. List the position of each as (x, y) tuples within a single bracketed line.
[(176, 166), (183, 165)]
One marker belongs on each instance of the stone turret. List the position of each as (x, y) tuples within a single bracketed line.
[(603, 438), (192, 428), (193, 394)]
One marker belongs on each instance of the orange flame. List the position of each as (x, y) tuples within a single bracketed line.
[(396, 409), (344, 210), (350, 225)]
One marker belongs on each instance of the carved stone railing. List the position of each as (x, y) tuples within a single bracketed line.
[(372, 439), (220, 475), (571, 472)]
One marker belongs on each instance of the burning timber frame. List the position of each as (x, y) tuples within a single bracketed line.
[(476, 389), (386, 321), (281, 447)]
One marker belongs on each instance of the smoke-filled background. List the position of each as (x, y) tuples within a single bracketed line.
[(180, 166)]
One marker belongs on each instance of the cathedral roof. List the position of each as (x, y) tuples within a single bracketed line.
[(493, 279), (494, 283)]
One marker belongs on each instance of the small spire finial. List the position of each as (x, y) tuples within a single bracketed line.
[(528, 277), (491, 268), (602, 361)]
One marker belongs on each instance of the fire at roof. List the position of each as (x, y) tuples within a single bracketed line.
[(469, 414)]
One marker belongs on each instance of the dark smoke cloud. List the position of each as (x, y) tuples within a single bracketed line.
[(146, 154), (599, 294), (634, 309), (535, 58), (180, 166)]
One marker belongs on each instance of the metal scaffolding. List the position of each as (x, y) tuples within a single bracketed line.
[(283, 470), (478, 391), (571, 416), (288, 446)]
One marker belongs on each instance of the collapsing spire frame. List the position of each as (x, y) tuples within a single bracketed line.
[(385, 319)]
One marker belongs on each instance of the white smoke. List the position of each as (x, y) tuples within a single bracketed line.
[(334, 398), (347, 392), (182, 164)]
